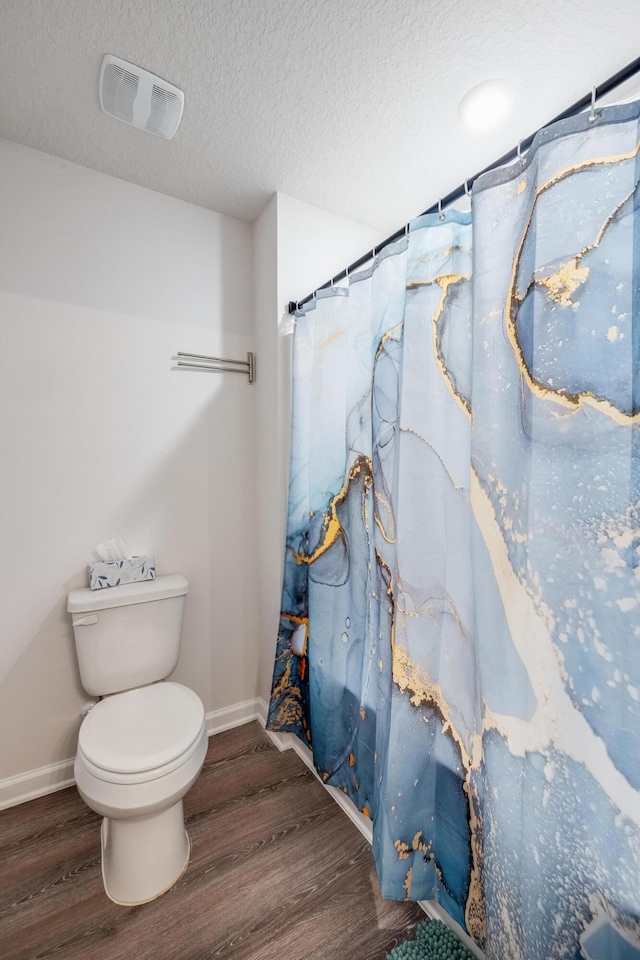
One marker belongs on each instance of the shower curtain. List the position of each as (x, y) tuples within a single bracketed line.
[(460, 631)]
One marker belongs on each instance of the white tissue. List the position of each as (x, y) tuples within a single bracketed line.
[(113, 550)]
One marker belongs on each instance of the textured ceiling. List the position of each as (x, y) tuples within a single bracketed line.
[(348, 105)]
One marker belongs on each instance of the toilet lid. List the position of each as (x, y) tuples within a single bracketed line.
[(141, 729)]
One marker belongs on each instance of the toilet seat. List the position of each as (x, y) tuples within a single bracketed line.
[(141, 734)]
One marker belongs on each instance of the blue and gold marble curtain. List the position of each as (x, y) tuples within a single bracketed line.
[(460, 630)]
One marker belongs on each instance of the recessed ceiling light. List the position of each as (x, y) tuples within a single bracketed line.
[(486, 105)]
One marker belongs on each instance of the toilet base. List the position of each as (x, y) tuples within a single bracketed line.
[(144, 857)]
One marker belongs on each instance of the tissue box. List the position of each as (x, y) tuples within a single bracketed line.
[(113, 573)]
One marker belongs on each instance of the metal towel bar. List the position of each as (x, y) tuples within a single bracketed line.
[(239, 366)]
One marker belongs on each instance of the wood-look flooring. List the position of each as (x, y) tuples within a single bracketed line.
[(277, 872)]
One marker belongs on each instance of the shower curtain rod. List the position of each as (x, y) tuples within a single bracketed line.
[(589, 99)]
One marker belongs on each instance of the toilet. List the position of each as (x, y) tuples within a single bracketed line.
[(142, 746)]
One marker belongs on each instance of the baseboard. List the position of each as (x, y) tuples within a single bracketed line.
[(436, 912), (36, 783), (58, 776), (263, 709), (287, 741), (234, 716)]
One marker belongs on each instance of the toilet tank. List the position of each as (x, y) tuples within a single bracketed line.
[(129, 635)]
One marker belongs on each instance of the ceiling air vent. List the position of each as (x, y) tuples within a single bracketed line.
[(140, 99)]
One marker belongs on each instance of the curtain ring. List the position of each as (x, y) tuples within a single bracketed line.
[(346, 273), (593, 116), (519, 149), (440, 213), (373, 256), (406, 229), (467, 191)]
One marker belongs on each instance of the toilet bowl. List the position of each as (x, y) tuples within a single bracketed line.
[(139, 752)]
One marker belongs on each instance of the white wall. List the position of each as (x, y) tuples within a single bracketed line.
[(297, 247), (101, 282)]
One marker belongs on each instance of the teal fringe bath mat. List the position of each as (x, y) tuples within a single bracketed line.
[(434, 941)]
